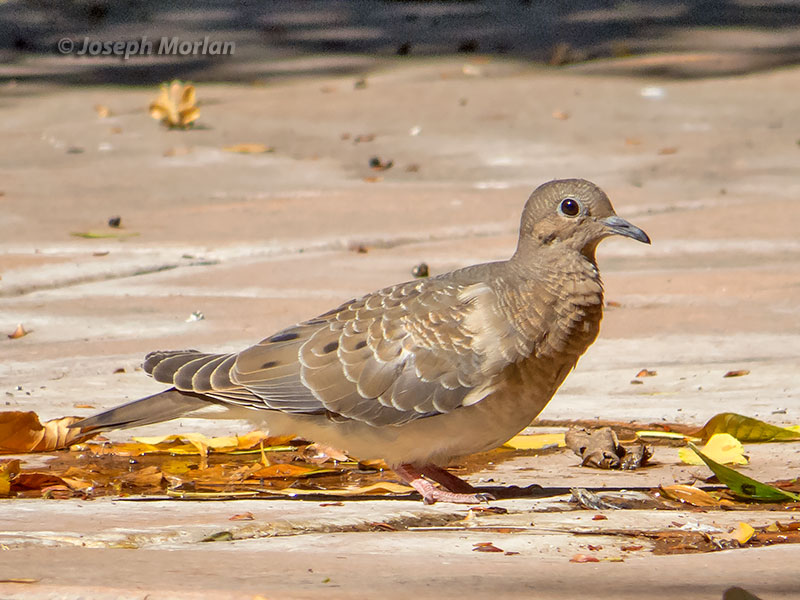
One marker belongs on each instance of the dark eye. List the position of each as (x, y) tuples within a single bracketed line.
[(569, 207)]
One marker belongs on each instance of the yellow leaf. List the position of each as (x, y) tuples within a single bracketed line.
[(248, 148), (537, 441), (176, 105), (376, 489), (688, 495), (722, 448), (7, 471), (745, 429), (743, 532)]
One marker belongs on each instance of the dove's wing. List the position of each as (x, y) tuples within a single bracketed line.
[(408, 351)]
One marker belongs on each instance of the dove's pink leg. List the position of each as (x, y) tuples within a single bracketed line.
[(447, 480), (430, 493)]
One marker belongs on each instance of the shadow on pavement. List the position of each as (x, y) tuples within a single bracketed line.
[(289, 38)]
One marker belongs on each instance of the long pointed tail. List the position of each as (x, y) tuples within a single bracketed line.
[(164, 406)]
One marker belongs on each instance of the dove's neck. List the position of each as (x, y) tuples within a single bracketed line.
[(561, 291)]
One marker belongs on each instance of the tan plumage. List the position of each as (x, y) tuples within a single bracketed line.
[(424, 371)]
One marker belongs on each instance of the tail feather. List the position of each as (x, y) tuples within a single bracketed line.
[(164, 406)]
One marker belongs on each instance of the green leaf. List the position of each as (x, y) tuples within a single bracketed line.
[(744, 486), (745, 429), (100, 235)]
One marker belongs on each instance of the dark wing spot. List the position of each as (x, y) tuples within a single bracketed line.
[(361, 344), (269, 364), (330, 347), (316, 322), (284, 337)]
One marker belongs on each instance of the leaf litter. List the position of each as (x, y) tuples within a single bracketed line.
[(255, 465)]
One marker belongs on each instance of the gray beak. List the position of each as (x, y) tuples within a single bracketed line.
[(619, 226)]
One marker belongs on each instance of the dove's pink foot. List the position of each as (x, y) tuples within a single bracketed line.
[(456, 490)]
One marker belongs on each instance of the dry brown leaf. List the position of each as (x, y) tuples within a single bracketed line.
[(19, 332), (646, 373), (486, 547), (249, 148), (737, 373), (668, 150), (583, 558), (22, 432), (248, 516), (176, 105)]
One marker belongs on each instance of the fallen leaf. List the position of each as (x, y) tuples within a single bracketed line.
[(100, 235), (19, 332), (374, 179), (599, 518), (537, 441), (688, 495), (19, 580), (249, 148), (248, 516), (220, 536), (745, 486), (646, 373), (560, 115), (103, 112), (376, 489), (745, 429), (23, 432), (743, 532), (583, 558), (722, 448), (668, 150), (320, 453), (176, 105), (8, 470), (285, 470), (737, 373), (631, 548), (486, 547)]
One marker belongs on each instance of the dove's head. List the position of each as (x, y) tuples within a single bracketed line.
[(574, 214)]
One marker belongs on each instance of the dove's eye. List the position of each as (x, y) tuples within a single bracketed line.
[(569, 207)]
